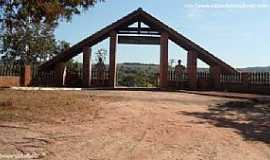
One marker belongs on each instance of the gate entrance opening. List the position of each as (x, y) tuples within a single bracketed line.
[(139, 68)]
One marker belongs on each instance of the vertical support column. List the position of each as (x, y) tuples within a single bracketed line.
[(112, 63), (87, 66), (215, 72), (245, 79), (27, 75), (164, 60), (59, 74), (192, 69)]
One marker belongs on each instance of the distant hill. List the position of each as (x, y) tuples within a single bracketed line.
[(155, 67), (255, 69), (139, 66)]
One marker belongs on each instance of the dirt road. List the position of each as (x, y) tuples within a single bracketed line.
[(121, 125)]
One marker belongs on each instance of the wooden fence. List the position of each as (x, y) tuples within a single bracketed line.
[(252, 78), (181, 81), (203, 76), (172, 76), (39, 78), (184, 77), (204, 81), (253, 82), (11, 75), (44, 79), (177, 81), (100, 76), (10, 69)]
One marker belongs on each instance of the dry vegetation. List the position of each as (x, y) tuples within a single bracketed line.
[(38, 106), (101, 125)]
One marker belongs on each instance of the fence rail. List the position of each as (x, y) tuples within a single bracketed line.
[(259, 78), (100, 76), (253, 78), (203, 75), (173, 76), (43, 78), (231, 78), (256, 82)]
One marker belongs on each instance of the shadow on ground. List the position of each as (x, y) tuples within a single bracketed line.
[(249, 119)]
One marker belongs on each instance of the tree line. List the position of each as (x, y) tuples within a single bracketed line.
[(27, 28)]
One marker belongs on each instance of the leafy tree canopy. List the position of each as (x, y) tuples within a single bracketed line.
[(27, 27), (45, 10)]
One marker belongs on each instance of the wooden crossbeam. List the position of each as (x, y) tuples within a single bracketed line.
[(136, 29), (136, 32), (139, 30), (143, 40)]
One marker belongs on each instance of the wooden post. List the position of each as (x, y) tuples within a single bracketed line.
[(192, 69), (164, 60), (245, 79), (112, 63), (87, 67), (215, 72)]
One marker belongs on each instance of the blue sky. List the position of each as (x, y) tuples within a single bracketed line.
[(235, 32)]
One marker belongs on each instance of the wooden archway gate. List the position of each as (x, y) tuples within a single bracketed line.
[(156, 33)]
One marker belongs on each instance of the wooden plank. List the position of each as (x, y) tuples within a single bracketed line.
[(143, 40), (138, 29), (141, 33)]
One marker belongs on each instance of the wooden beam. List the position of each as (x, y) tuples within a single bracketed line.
[(91, 40), (145, 40), (136, 29), (141, 33)]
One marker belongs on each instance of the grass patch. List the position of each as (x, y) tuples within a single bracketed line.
[(47, 106)]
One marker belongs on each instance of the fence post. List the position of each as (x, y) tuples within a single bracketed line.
[(245, 79), (27, 75), (215, 72)]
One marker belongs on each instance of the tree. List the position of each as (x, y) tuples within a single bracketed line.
[(136, 75), (29, 43), (27, 26), (48, 11), (36, 46)]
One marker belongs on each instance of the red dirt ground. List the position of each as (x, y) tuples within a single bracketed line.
[(106, 125)]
